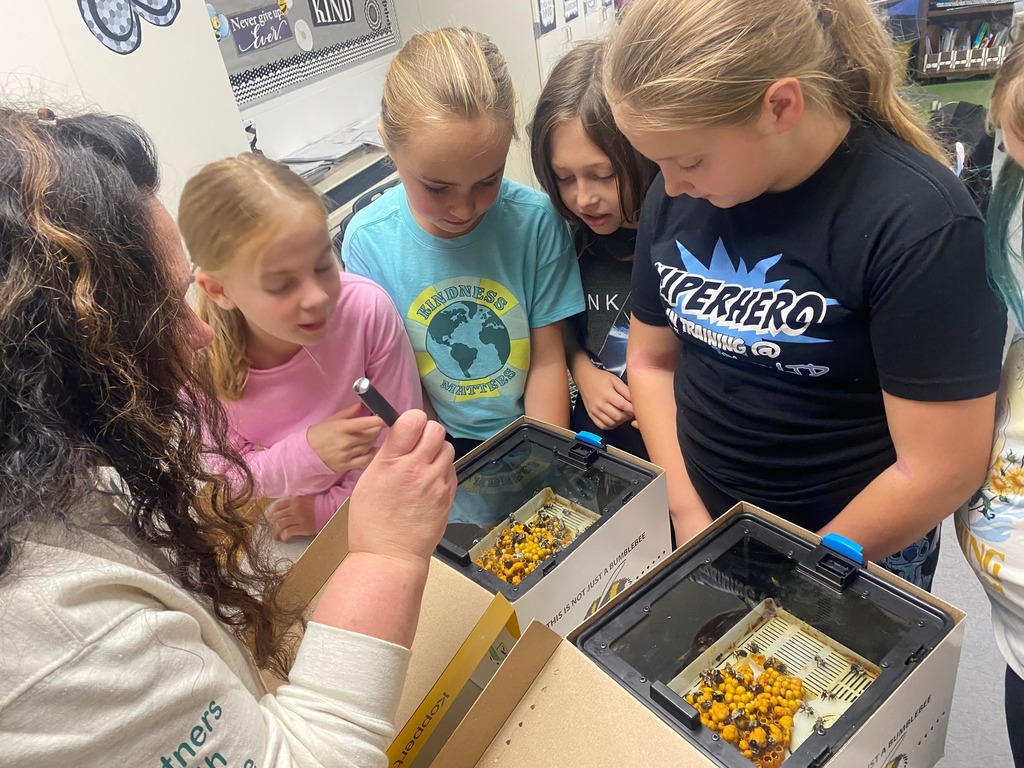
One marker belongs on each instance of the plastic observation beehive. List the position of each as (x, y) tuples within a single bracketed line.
[(762, 648)]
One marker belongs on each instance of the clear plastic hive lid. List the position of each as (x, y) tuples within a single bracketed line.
[(762, 649), (528, 481)]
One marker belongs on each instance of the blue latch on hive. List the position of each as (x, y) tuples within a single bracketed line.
[(843, 546), (590, 439)]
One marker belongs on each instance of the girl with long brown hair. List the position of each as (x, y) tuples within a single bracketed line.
[(597, 182)]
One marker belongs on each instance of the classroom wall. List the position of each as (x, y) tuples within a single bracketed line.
[(510, 26), (173, 85), (293, 120)]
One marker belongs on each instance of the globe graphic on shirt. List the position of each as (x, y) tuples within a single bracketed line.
[(468, 341)]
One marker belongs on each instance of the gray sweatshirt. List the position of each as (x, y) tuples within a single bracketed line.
[(105, 661)]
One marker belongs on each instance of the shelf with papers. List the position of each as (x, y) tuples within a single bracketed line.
[(963, 40)]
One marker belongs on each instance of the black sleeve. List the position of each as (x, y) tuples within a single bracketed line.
[(937, 328), (645, 285), (578, 322)]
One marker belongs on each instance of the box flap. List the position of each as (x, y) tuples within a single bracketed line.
[(566, 713), (451, 608), (509, 684), (441, 629), (437, 704), (310, 572)]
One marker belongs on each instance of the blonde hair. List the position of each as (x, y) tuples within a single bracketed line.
[(676, 64), (447, 73), (1006, 109), (231, 207)]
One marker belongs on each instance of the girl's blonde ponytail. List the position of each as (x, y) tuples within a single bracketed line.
[(676, 64), (225, 358), (868, 67)]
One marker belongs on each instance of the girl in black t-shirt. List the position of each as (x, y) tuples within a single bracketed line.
[(812, 329), (597, 182)]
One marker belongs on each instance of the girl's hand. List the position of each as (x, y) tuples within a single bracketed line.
[(400, 505), (605, 396), (293, 516), (344, 441)]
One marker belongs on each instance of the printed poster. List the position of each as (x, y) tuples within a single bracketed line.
[(272, 48), (546, 12), (572, 10), (257, 29)]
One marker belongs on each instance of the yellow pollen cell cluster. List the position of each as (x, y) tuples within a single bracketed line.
[(756, 716), (522, 546)]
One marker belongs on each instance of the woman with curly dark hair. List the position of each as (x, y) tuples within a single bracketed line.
[(124, 606)]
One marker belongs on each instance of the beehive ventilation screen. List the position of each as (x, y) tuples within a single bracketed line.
[(822, 668), (573, 519)]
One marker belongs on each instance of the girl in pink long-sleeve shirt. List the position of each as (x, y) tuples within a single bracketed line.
[(291, 335)]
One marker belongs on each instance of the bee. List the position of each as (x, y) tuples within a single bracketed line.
[(754, 746), (757, 689), (806, 709), (718, 696), (753, 647), (857, 669), (820, 662), (716, 675), (705, 704), (819, 725)]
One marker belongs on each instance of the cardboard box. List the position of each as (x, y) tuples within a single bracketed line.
[(626, 545), (465, 630), (463, 633), (550, 705), (472, 667)]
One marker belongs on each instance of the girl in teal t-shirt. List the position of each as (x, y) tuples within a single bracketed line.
[(481, 268)]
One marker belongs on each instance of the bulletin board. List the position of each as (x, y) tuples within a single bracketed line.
[(273, 46)]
